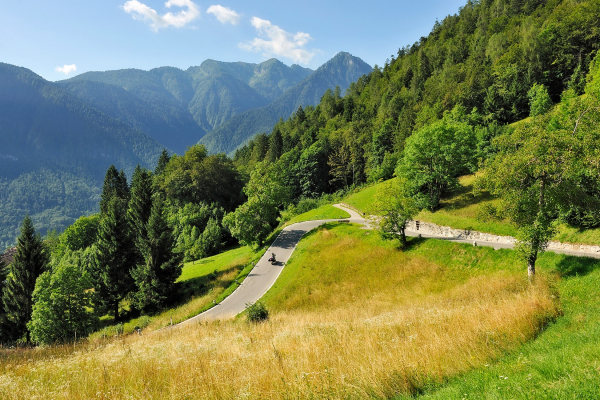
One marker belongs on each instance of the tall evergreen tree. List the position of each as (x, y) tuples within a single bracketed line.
[(115, 256), (156, 276), (275, 146), (30, 262), (122, 189), (108, 189), (4, 327), (140, 203), (163, 160)]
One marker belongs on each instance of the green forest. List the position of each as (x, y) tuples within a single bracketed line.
[(508, 90)]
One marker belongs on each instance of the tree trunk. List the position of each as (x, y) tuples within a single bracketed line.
[(403, 236), (535, 242), (116, 310), (531, 265)]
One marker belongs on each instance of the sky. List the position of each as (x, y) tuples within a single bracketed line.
[(59, 39)]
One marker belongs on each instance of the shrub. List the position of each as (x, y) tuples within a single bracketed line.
[(257, 312)]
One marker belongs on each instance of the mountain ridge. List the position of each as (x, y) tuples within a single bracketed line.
[(241, 128)]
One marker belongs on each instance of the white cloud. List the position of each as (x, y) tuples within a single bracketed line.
[(279, 42), (224, 14), (144, 13), (66, 69)]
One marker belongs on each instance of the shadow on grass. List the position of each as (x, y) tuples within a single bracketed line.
[(201, 285), (569, 266), (463, 197)]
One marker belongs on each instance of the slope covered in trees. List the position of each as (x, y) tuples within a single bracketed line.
[(58, 138), (485, 60), (55, 150), (441, 108)]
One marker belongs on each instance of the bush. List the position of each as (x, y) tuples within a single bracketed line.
[(112, 330), (257, 312)]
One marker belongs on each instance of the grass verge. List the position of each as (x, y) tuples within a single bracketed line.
[(201, 282), (324, 212)]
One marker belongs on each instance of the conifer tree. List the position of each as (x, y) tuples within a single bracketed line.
[(122, 189), (140, 203), (163, 160), (115, 256), (4, 328), (156, 276), (115, 184), (30, 262), (275, 146)]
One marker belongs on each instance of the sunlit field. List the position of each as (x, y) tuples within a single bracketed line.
[(351, 317)]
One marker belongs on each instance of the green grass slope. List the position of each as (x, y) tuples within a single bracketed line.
[(561, 363)]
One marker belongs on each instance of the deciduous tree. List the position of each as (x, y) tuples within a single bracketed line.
[(63, 307), (396, 206)]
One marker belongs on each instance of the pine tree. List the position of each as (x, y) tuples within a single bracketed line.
[(115, 256), (115, 184), (156, 276), (4, 327), (163, 160), (275, 146), (122, 189), (140, 204), (30, 262)]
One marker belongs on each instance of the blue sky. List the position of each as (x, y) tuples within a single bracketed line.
[(62, 38)]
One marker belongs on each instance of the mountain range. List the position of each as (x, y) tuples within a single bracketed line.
[(59, 138)]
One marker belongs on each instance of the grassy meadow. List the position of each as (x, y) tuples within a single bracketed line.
[(201, 282), (351, 317), (326, 211)]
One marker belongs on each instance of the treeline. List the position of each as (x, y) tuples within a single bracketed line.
[(127, 257)]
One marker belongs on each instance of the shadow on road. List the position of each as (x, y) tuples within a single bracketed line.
[(288, 239)]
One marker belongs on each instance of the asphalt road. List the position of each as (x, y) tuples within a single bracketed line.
[(264, 275), (500, 245)]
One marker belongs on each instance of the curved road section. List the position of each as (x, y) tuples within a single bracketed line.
[(264, 274)]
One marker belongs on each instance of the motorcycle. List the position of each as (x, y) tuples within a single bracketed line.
[(272, 259)]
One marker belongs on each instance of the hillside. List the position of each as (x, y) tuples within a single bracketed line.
[(481, 62), (55, 152), (341, 70), (316, 320), (127, 116)]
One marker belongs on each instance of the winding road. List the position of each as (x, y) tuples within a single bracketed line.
[(264, 275)]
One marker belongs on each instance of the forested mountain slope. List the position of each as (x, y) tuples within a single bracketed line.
[(59, 138), (486, 60), (55, 151), (341, 70)]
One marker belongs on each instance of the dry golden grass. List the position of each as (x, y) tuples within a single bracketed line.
[(354, 343)]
